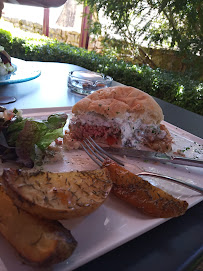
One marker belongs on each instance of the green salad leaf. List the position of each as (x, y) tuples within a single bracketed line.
[(23, 136)]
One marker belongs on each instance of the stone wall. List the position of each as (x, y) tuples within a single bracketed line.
[(69, 37)]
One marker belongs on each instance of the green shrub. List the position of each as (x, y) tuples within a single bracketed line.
[(6, 40), (169, 86)]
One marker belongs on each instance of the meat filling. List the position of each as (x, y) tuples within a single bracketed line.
[(128, 131), (80, 131), (163, 145)]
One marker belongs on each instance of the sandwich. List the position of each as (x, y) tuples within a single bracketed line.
[(123, 116)]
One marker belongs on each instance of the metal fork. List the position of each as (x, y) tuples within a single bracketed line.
[(98, 155)]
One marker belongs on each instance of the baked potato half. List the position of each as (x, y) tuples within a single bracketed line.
[(57, 195), (39, 242)]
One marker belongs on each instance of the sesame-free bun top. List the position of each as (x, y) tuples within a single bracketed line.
[(115, 102)]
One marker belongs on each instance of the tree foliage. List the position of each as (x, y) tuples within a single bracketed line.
[(177, 24), (172, 87)]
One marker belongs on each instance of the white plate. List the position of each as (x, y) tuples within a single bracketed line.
[(23, 71), (114, 223)]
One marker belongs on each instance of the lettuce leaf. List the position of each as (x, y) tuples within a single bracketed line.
[(25, 134)]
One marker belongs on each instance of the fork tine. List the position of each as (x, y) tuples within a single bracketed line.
[(96, 149), (103, 153), (90, 155), (96, 153)]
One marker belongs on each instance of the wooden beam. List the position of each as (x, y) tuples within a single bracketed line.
[(84, 35), (46, 22)]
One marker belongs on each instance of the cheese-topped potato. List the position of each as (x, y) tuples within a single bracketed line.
[(39, 242), (57, 195)]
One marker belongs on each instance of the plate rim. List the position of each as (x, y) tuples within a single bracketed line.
[(35, 73)]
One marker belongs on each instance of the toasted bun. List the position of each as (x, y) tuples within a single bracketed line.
[(115, 102)]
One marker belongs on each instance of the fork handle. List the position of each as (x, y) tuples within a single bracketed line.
[(188, 185), (187, 161)]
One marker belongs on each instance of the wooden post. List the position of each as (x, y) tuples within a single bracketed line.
[(84, 35), (46, 22)]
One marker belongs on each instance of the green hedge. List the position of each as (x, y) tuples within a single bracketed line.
[(172, 87)]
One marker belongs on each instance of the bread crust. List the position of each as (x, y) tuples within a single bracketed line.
[(115, 102)]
